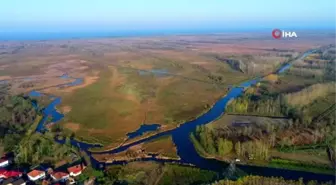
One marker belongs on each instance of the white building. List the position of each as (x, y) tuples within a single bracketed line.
[(4, 163)]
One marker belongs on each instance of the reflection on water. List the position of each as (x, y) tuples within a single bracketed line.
[(35, 94), (3, 82), (143, 128), (155, 72)]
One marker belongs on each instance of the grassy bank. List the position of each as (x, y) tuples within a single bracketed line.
[(162, 146), (299, 166)]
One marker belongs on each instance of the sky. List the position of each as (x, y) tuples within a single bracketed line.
[(114, 15)]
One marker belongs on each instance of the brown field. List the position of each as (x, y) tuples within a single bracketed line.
[(163, 146), (116, 98)]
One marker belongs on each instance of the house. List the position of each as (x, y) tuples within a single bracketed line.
[(36, 175), (8, 174), (19, 181), (59, 176), (4, 162), (76, 170)]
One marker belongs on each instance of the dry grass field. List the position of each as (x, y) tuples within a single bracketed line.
[(131, 81)]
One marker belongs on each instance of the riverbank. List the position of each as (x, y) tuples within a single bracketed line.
[(123, 158), (272, 163), (149, 135), (164, 130)]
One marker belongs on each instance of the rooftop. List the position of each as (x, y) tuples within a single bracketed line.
[(76, 169), (59, 175), (35, 173)]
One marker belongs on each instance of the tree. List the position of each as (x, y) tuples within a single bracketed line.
[(238, 148), (224, 146)]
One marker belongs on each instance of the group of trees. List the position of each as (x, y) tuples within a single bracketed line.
[(256, 139), (37, 148), (143, 173), (17, 113), (319, 66), (176, 175), (256, 149), (257, 180), (18, 121), (264, 104), (309, 94), (16, 110), (220, 144), (215, 78), (212, 144)]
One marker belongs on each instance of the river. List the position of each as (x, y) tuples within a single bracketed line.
[(180, 135)]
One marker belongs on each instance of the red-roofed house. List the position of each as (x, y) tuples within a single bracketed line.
[(36, 175), (59, 176), (76, 170), (7, 174)]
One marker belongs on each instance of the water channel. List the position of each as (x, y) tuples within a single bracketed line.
[(181, 134)]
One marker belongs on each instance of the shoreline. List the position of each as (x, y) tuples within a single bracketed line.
[(151, 134), (266, 164)]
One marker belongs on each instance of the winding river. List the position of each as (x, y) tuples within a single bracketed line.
[(180, 135)]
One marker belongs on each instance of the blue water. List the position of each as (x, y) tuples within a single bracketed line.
[(156, 72), (143, 128), (35, 35), (180, 135), (288, 65), (81, 145), (27, 79), (35, 94), (50, 111), (65, 76), (77, 81), (284, 68), (3, 82)]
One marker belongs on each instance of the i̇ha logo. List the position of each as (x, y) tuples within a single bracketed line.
[(278, 34)]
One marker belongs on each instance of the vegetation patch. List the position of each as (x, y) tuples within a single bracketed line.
[(297, 165), (122, 99), (310, 94), (252, 180), (163, 146)]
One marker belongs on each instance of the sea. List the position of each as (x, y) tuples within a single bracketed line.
[(64, 35)]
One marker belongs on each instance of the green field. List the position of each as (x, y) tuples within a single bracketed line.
[(301, 166)]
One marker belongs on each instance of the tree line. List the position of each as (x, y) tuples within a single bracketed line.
[(264, 103), (260, 180), (213, 143), (18, 121), (310, 94)]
